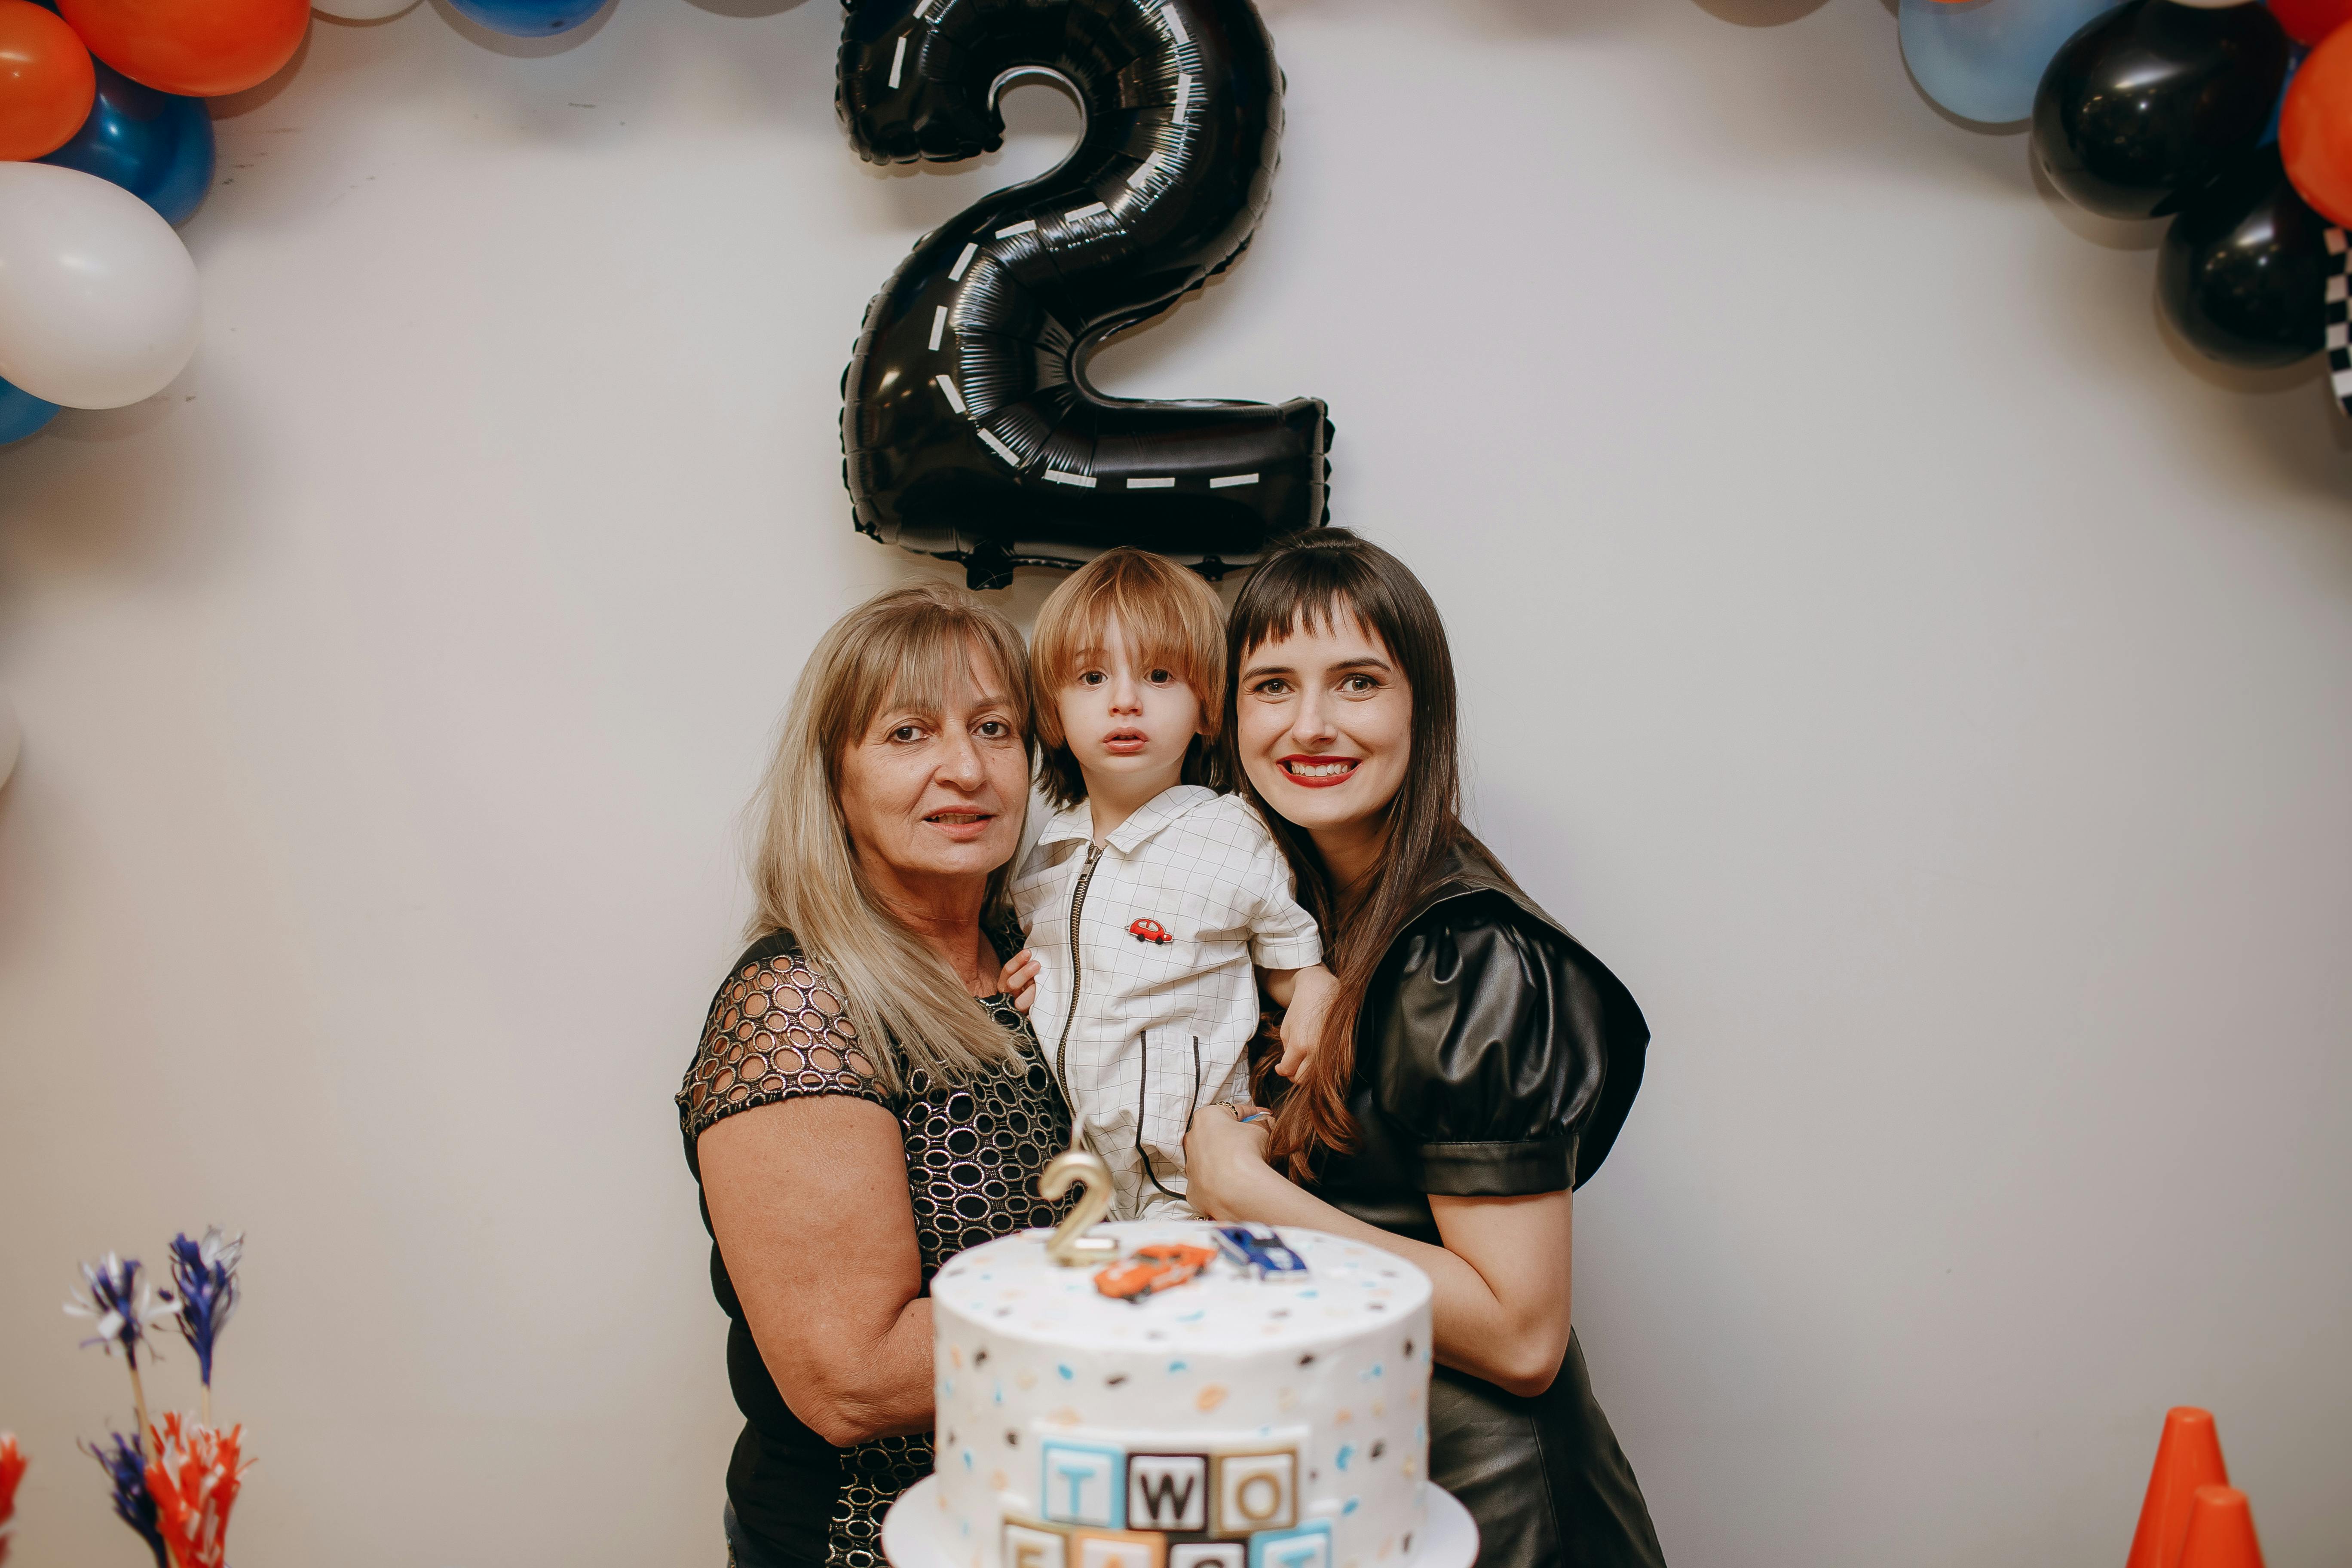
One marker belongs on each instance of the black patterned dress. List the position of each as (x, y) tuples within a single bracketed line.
[(974, 1153)]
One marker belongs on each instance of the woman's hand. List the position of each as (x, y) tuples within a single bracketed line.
[(1224, 1160), (1305, 1019), (1019, 980), (1502, 1276)]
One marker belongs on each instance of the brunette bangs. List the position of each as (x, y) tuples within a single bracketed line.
[(1324, 579)]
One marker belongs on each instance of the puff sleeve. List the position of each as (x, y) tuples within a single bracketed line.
[(1508, 1054)]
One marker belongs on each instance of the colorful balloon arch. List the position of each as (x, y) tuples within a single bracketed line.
[(106, 146), (2232, 119)]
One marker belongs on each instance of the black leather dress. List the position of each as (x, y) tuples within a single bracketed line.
[(1497, 1058)]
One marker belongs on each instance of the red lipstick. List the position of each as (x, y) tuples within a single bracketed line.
[(1318, 772)]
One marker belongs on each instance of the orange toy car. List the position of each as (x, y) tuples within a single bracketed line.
[(1149, 931), (1161, 1265)]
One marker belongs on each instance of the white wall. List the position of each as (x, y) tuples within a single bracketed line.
[(1931, 692)]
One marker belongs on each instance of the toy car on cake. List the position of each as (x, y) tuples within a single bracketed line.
[(1158, 1266)]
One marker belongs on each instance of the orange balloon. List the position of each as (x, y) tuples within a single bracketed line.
[(47, 82), (2316, 129), (199, 48), (2309, 21)]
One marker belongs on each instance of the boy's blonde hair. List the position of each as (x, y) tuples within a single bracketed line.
[(1172, 622)]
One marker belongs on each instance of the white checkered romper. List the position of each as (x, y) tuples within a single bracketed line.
[(1156, 933)]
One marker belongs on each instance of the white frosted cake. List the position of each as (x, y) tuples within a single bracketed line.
[(1228, 1422)]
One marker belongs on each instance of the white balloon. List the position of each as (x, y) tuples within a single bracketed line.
[(99, 303), (11, 737), (360, 10)]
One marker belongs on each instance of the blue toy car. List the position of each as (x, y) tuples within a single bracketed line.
[(1261, 1249)]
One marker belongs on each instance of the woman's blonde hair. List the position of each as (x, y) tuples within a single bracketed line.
[(906, 648), (1172, 622)]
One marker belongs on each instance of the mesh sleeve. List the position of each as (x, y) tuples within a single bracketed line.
[(776, 1032)]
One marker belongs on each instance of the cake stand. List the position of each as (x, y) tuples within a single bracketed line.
[(915, 1532)]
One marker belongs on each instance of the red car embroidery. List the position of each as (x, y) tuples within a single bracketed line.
[(1149, 931)]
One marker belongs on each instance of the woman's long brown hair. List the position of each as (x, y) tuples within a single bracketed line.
[(1325, 578)]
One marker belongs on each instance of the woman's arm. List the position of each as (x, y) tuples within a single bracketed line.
[(1304, 996), (1501, 1281), (808, 1200)]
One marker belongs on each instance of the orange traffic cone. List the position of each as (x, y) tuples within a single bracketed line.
[(2187, 1457), (2221, 1532)]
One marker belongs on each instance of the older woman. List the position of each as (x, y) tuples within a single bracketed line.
[(1491, 1060), (863, 1105)]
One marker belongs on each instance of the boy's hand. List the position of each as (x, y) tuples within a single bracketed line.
[(1019, 980), (1304, 1021)]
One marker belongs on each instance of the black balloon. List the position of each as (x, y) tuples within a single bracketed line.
[(968, 426), (2244, 267), (2153, 97)]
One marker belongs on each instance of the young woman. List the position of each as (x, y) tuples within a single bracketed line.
[(1491, 1062)]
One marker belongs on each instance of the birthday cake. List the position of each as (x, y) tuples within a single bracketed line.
[(1232, 1419)]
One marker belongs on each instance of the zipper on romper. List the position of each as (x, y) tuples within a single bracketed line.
[(1077, 974)]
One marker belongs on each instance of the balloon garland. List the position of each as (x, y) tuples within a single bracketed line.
[(2207, 113), (156, 145), (99, 307), (2146, 105), (106, 146), (198, 50), (2231, 118), (46, 81), (1983, 61)]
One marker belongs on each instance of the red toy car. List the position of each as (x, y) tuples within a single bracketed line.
[(1161, 1265), (1149, 931)]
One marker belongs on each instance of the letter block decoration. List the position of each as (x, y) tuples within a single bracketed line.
[(1308, 1546), (1026, 1548), (1207, 1555), (1082, 1485), (1256, 1491), (1109, 1549), (1167, 1491)]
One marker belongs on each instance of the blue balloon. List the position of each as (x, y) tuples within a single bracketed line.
[(1983, 59), (157, 146), (2294, 57), (528, 18), (21, 413)]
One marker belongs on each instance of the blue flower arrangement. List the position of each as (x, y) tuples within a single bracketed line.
[(126, 1479), (205, 1273), (117, 1300), (124, 1308)]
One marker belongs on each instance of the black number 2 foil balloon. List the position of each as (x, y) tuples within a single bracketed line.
[(968, 426)]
